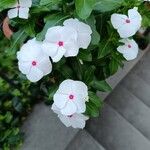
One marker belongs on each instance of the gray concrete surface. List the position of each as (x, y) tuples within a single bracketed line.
[(116, 133), (84, 141), (44, 131), (131, 108)]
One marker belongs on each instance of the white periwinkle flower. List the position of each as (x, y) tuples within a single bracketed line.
[(129, 49), (71, 96), (84, 31), (127, 26), (74, 120), (60, 41), (21, 9), (32, 61)]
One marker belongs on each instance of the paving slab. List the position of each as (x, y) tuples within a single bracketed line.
[(131, 108), (138, 87), (84, 141), (115, 133), (44, 131)]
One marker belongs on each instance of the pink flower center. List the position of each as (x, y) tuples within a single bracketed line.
[(129, 46), (34, 63), (71, 97), (128, 21), (60, 43)]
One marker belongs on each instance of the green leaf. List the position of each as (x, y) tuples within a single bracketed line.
[(95, 35), (50, 21), (29, 28), (105, 47), (17, 40), (4, 4), (17, 104), (91, 110), (84, 8), (8, 117), (93, 98), (85, 55), (107, 5), (113, 66), (89, 74), (101, 85), (52, 90), (67, 71), (49, 2)]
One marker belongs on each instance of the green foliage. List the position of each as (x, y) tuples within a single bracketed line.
[(84, 7), (107, 5), (4, 4), (92, 66)]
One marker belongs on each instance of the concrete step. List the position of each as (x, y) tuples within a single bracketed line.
[(84, 141), (138, 87), (44, 131), (115, 133), (131, 108), (142, 69)]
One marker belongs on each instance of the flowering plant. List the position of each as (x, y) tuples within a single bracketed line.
[(69, 48)]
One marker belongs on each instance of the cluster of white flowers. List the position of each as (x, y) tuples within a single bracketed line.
[(59, 41), (69, 103), (65, 41), (127, 26), (34, 62)]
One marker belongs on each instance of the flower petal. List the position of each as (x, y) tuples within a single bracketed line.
[(66, 87), (53, 34), (25, 3), (72, 48), (84, 40), (65, 120), (30, 51), (126, 30), (78, 121), (69, 109), (65, 31), (84, 31), (35, 74), (118, 20), (55, 109), (50, 49), (24, 67), (45, 65), (80, 88), (135, 17), (60, 100), (81, 106), (61, 51), (131, 52), (23, 13), (12, 13), (130, 56)]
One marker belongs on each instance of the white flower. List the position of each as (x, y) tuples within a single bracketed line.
[(71, 96), (60, 41), (129, 49), (84, 31), (21, 9), (127, 26), (33, 62), (74, 120)]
